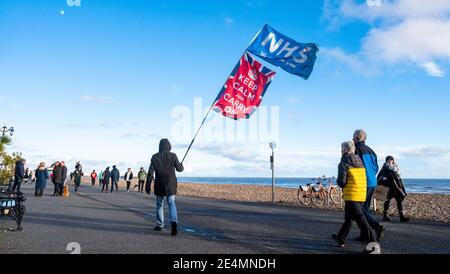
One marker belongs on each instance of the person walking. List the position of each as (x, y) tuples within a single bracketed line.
[(93, 178), (163, 165), (389, 176), (56, 177), (77, 177), (370, 162), (27, 175), (352, 179), (41, 175), (63, 178), (19, 174), (115, 176), (100, 178), (128, 178), (142, 176), (106, 179)]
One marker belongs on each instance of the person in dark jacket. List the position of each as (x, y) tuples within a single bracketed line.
[(142, 176), (115, 176), (389, 176), (19, 174), (57, 178), (352, 179), (63, 177), (163, 165), (78, 166), (370, 162), (77, 177), (128, 177), (27, 175), (41, 175), (106, 179)]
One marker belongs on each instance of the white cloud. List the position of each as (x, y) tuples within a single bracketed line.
[(433, 69), (402, 32), (354, 61), (94, 99)]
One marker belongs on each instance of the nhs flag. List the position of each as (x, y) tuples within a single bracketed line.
[(279, 50)]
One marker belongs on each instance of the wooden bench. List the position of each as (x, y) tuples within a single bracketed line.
[(11, 205)]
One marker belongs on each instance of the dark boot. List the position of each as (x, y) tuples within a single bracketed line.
[(174, 229), (386, 217), (404, 219), (380, 233), (340, 242)]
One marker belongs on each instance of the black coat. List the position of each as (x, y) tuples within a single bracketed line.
[(77, 176), (163, 165), (63, 174), (392, 180), (115, 175), (57, 175), (106, 176), (19, 172), (131, 176)]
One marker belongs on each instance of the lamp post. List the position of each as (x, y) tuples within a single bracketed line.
[(5, 130), (272, 146)]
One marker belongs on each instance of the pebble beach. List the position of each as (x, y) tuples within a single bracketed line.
[(432, 207)]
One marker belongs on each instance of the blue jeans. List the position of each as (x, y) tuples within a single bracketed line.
[(160, 212), (374, 224)]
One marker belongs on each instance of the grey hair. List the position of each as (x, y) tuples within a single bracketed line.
[(348, 147), (360, 135)]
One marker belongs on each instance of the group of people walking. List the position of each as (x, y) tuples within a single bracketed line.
[(357, 176), (112, 177), (108, 177)]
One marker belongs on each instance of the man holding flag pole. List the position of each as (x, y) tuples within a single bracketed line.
[(239, 98)]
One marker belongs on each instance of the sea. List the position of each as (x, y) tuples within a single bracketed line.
[(432, 186)]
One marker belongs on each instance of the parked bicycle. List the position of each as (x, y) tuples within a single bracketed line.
[(318, 194)]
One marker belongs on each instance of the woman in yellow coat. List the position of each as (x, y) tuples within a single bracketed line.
[(352, 179)]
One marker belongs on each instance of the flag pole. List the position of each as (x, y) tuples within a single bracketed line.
[(212, 105), (195, 136)]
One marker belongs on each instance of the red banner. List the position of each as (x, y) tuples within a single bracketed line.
[(244, 90)]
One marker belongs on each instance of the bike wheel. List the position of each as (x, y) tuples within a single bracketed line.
[(304, 197), (335, 195), (319, 199)]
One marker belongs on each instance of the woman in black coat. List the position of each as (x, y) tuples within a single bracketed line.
[(389, 176), (106, 179), (77, 177), (57, 178)]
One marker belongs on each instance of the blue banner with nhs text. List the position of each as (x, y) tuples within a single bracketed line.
[(282, 51)]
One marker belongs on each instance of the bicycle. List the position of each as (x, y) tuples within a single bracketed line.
[(318, 194)]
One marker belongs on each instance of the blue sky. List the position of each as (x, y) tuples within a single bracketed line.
[(99, 82)]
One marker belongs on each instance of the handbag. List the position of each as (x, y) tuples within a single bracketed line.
[(381, 193)]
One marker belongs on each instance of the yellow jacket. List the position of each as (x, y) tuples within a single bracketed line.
[(352, 178), (356, 188)]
